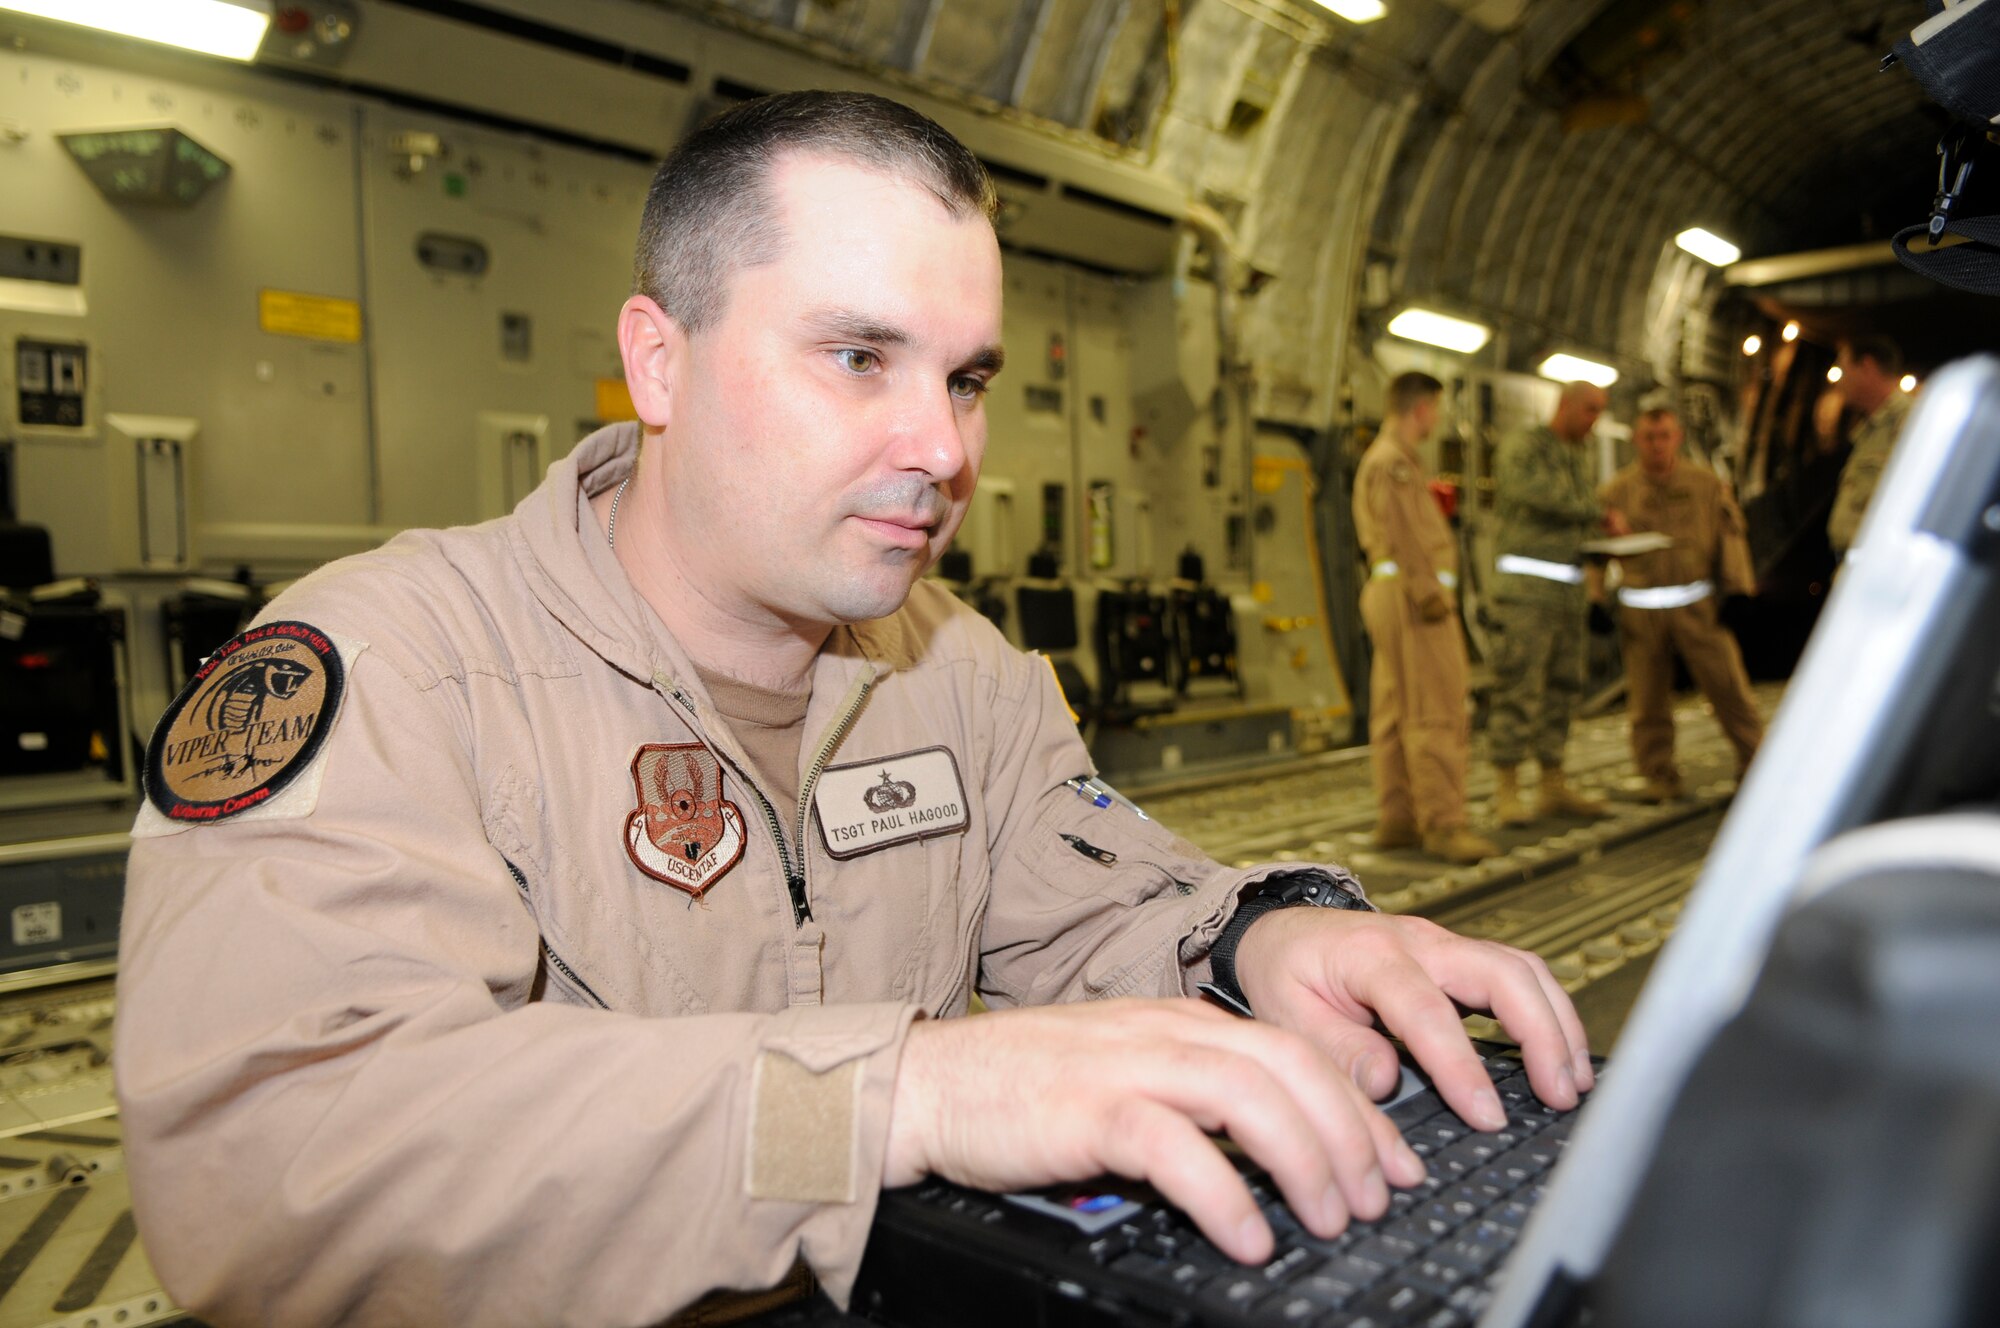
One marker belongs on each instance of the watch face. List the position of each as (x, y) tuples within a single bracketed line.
[(1318, 889), (1325, 891)]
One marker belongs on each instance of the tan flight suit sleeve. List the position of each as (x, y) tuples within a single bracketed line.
[(1735, 570), (341, 1105), (1063, 923), (1393, 490)]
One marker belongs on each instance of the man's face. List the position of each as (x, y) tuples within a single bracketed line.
[(1577, 412), (1861, 378), (1843, 359), (1657, 439), (1423, 418), (826, 430)]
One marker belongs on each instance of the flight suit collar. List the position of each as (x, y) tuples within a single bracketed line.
[(579, 581), (567, 572), (1407, 451)]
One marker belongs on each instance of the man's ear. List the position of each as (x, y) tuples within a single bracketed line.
[(651, 344)]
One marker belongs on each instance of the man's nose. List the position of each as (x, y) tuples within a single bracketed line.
[(929, 433)]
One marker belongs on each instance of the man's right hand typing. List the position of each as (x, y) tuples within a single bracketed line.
[(1020, 1098)]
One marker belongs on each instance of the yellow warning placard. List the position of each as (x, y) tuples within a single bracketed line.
[(321, 317), (614, 401)]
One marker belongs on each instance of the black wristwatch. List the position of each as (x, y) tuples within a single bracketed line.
[(1309, 888)]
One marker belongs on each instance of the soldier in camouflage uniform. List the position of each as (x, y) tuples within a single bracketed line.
[(1547, 508), (1870, 372)]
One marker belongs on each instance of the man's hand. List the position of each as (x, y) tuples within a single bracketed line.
[(1027, 1097), (1434, 607), (1593, 582), (1615, 522), (1329, 974)]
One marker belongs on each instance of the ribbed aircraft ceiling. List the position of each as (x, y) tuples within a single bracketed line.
[(1524, 161), (1768, 100)]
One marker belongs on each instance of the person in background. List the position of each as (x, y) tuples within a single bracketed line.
[(1418, 730), (1668, 599), (1546, 507), (1871, 373)]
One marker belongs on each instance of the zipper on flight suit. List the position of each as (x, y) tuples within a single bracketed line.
[(795, 873), (857, 696), (1107, 858), (553, 959)]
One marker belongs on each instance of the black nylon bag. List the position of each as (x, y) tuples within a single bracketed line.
[(1957, 63)]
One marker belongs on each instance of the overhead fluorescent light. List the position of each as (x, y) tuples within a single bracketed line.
[(1575, 369), (1436, 329), (1708, 246), (1356, 11), (232, 29)]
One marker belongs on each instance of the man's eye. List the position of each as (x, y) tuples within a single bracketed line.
[(967, 388), (857, 361)]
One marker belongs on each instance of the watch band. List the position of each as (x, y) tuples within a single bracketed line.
[(1310, 888)]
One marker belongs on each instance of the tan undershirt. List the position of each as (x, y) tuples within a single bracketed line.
[(771, 726)]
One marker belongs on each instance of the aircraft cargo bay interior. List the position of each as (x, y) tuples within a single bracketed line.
[(597, 597)]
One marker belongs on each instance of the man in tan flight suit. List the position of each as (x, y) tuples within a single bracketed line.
[(565, 919), (1668, 599), (1871, 372), (1417, 726), (1546, 508)]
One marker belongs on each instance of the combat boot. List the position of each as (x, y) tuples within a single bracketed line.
[(1662, 788), (1396, 834), (1508, 809), (1559, 799), (1459, 846)]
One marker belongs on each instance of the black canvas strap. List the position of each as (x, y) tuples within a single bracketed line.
[(1958, 62), (1955, 56), (1972, 266)]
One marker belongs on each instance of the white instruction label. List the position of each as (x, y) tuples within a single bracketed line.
[(38, 924)]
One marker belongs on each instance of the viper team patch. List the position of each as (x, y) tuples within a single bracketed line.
[(684, 832), (889, 800), (248, 722)]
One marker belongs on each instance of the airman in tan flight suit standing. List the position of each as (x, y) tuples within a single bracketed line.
[(1417, 727), (1668, 600)]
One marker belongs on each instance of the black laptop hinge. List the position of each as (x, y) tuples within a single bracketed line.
[(1561, 1304)]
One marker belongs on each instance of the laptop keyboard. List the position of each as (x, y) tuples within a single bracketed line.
[(1429, 1262)]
